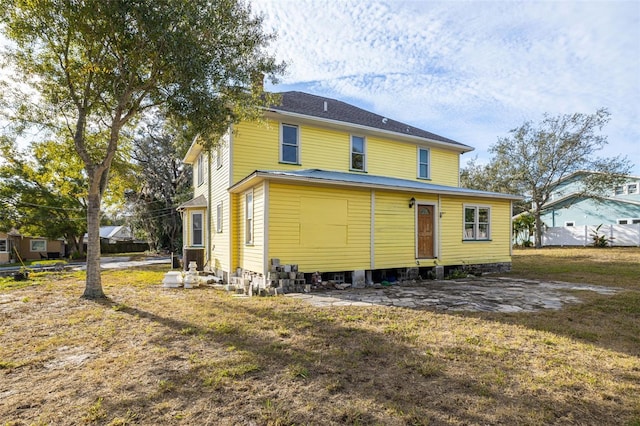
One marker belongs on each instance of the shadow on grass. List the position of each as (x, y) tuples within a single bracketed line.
[(317, 366)]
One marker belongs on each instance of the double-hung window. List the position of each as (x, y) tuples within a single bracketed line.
[(249, 217), (197, 228), (477, 223), (423, 163), (4, 246), (218, 157), (289, 144), (632, 188), (200, 169), (358, 153), (219, 217)]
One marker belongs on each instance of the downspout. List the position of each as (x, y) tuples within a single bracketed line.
[(439, 220), (209, 204)]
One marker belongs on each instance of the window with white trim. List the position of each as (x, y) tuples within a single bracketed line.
[(619, 190), (218, 157), (4, 246), (38, 245), (219, 217), (477, 221), (358, 153), (632, 188), (200, 169), (423, 163), (289, 144), (629, 221), (248, 204), (197, 228), (570, 223)]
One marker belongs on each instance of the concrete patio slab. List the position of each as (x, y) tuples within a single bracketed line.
[(496, 294)]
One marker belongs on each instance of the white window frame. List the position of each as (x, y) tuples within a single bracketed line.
[(476, 223), (282, 144), (32, 249), (193, 229), (619, 190), (248, 217), (629, 221), (6, 245), (218, 157), (636, 187), (427, 164), (200, 170), (219, 213), (570, 223), (363, 153)]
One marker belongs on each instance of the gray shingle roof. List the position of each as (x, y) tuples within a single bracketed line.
[(314, 106), (371, 181)]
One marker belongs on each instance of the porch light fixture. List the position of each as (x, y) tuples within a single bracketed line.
[(412, 202)]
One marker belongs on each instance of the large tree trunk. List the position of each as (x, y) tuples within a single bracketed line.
[(538, 230), (93, 287)]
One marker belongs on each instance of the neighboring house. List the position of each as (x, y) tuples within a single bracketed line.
[(28, 248), (331, 187), (118, 239), (567, 207), (571, 218)]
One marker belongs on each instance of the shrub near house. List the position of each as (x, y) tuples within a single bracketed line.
[(331, 187)]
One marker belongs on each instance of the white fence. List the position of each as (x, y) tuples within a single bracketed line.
[(617, 235)]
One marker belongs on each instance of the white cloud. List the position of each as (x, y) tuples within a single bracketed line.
[(467, 70)]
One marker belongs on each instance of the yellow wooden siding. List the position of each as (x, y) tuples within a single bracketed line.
[(445, 167), (221, 241), (256, 147), (394, 229), (250, 256), (455, 251), (323, 229)]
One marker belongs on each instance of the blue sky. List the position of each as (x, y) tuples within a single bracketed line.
[(470, 71)]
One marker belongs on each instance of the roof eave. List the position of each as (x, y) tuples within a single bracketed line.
[(258, 176)]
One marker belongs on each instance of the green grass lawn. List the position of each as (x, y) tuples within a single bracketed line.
[(156, 356)]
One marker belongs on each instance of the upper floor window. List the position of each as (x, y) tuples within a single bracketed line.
[(619, 190), (200, 170), (289, 144), (38, 245), (628, 221), (423, 163), (358, 153), (197, 228), (477, 223), (218, 157), (632, 188), (4, 246), (219, 217)]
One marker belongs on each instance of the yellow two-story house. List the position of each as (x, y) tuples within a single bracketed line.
[(331, 187)]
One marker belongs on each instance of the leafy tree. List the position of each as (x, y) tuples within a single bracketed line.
[(487, 177), (535, 156), (95, 66), (44, 193), (163, 181)]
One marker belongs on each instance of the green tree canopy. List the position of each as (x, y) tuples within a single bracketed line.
[(93, 67), (44, 193), (535, 156)]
